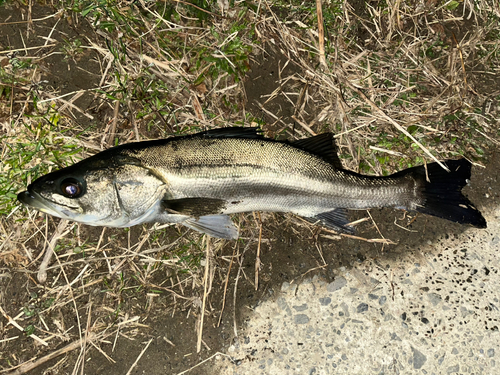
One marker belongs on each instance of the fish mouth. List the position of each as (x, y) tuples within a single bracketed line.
[(32, 199)]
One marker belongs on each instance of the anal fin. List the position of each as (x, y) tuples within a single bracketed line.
[(336, 219), (219, 226)]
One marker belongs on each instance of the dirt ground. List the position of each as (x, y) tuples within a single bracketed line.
[(166, 322)]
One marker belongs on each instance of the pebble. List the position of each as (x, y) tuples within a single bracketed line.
[(434, 298), (419, 359), (336, 284), (302, 307), (301, 319), (362, 307), (325, 301)]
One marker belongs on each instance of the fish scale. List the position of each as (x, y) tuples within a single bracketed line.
[(269, 164)]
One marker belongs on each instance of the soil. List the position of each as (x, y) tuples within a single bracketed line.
[(58, 72), (290, 250)]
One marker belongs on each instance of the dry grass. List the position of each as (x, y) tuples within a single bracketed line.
[(405, 80), (404, 76)]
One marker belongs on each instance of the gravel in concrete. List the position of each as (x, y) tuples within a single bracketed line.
[(430, 312)]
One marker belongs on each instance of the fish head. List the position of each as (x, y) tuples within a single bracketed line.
[(112, 192)]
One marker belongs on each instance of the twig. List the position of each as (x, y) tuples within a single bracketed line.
[(102, 352), (205, 284), (197, 108), (165, 65), (9, 339), (321, 34), (25, 49), (236, 288), (202, 362), (374, 223), (74, 345), (310, 270), (320, 251), (305, 126), (77, 314), (53, 98), (390, 152), (138, 358), (461, 60), (32, 20), (132, 120), (15, 324), (168, 341), (373, 240), (69, 103), (225, 287), (83, 348), (376, 227), (113, 124), (409, 230), (257, 258), (271, 114), (49, 251)]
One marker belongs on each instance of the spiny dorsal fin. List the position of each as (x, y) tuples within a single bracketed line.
[(322, 145), (234, 132)]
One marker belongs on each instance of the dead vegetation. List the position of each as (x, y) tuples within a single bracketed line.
[(400, 83)]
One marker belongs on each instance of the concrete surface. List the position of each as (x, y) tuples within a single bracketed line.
[(434, 311)]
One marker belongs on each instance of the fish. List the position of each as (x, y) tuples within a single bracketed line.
[(199, 180)]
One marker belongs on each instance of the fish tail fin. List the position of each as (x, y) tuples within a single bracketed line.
[(441, 192)]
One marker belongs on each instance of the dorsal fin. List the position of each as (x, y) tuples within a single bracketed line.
[(322, 145), (234, 132)]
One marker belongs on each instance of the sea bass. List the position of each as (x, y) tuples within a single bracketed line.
[(198, 180)]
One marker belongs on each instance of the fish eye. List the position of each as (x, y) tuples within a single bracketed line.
[(71, 188)]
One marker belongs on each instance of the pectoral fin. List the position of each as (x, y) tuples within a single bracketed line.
[(219, 226), (196, 207)]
